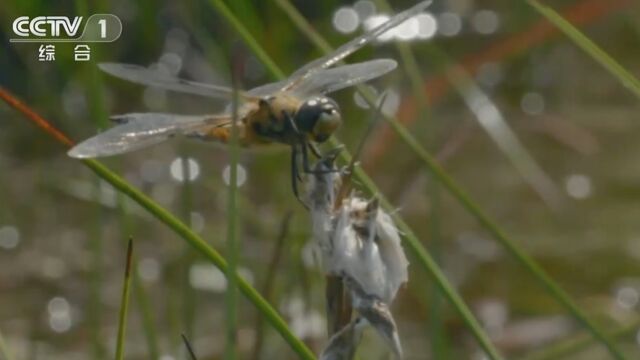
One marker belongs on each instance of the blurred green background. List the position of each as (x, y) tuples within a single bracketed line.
[(567, 190)]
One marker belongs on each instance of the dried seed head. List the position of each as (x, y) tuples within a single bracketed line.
[(359, 243), (366, 246), (342, 345), (376, 313)]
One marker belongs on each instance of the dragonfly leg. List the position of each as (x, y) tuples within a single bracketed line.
[(305, 159), (293, 125), (295, 175), (314, 149)]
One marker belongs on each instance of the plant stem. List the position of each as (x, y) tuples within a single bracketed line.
[(609, 63), (124, 304), (269, 281), (512, 247), (232, 225), (423, 256), (180, 228)]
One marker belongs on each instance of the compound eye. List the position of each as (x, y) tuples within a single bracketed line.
[(328, 120)]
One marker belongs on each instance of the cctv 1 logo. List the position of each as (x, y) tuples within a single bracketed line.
[(97, 28)]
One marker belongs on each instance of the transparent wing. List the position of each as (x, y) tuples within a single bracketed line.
[(267, 89), (156, 78), (334, 79), (139, 130), (298, 77)]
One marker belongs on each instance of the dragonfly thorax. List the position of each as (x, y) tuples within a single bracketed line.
[(319, 117)]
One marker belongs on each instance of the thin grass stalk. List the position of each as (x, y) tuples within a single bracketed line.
[(4, 349), (269, 281), (258, 51), (124, 304), (498, 129), (414, 244), (97, 110), (139, 292), (180, 228), (187, 344), (95, 308), (438, 340), (512, 247), (232, 223), (146, 315), (189, 304), (625, 77)]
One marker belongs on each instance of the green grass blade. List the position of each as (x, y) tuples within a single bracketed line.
[(268, 286), (439, 342), (180, 228), (272, 68), (424, 258), (609, 63), (139, 291), (204, 249), (232, 228), (91, 78), (124, 304), (513, 248), (187, 344), (491, 119), (188, 293), (428, 263), (146, 314)]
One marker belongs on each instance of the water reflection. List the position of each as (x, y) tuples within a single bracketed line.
[(152, 171), (485, 22), (59, 314), (53, 267), (181, 171), (364, 8), (490, 74), (427, 26), (627, 297), (207, 277), (241, 175), (197, 221), (9, 237), (346, 20), (532, 103), (449, 24), (304, 322), (149, 269), (578, 186)]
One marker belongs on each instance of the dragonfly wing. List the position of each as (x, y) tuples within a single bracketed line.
[(136, 131), (156, 78), (298, 77), (267, 89), (334, 79)]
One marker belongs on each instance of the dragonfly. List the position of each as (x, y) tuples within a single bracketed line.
[(294, 111)]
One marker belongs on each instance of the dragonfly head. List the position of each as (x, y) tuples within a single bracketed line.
[(319, 117)]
